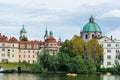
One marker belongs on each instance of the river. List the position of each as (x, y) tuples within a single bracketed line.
[(16, 76)]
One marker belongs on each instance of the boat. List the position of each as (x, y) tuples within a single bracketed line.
[(108, 73), (71, 74), (7, 70)]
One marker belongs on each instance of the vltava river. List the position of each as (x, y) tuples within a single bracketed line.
[(16, 76)]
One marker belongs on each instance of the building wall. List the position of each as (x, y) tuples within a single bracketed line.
[(111, 51), (9, 52), (29, 56)]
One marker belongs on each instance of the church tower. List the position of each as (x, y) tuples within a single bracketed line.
[(91, 30), (46, 34), (23, 33)]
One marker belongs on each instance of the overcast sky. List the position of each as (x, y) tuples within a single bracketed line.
[(64, 17)]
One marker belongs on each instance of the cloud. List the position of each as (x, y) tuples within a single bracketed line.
[(115, 33), (62, 16), (111, 13)]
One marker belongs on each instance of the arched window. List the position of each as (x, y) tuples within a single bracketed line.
[(93, 36), (86, 36)]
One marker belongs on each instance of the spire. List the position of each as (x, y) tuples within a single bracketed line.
[(51, 33), (23, 30), (59, 39), (46, 33), (91, 19)]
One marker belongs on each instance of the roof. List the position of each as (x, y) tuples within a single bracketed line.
[(13, 39), (50, 39), (91, 26), (23, 30), (3, 38)]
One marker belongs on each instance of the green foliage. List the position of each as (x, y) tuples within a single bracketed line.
[(48, 61), (24, 39), (63, 62), (94, 50), (73, 47), (23, 66), (105, 70), (38, 68), (80, 65), (117, 67)]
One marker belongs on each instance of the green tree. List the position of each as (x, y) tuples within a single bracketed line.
[(24, 39), (48, 61), (63, 60), (94, 50), (73, 47)]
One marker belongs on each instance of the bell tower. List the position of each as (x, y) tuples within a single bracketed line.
[(23, 33)]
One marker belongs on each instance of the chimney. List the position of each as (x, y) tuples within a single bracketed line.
[(111, 38)]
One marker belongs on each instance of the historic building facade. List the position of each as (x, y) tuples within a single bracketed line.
[(13, 50), (111, 47)]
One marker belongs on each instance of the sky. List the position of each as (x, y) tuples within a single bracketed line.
[(65, 18)]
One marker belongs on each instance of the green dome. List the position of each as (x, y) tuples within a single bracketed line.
[(23, 30), (91, 26)]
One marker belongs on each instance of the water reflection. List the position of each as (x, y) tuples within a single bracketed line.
[(111, 77), (16, 76)]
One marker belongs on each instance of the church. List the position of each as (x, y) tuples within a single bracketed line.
[(111, 47)]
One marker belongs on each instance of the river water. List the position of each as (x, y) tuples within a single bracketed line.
[(16, 76)]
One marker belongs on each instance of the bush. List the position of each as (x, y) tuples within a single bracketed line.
[(38, 68)]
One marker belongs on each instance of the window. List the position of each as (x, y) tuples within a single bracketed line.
[(13, 50), (108, 56), (108, 45), (3, 44), (28, 61), (12, 45), (117, 51), (3, 54), (47, 44), (98, 36), (86, 36), (36, 46), (93, 36), (108, 63), (3, 49), (108, 51), (24, 56), (24, 51), (28, 51), (12, 55), (29, 46), (33, 51), (117, 45), (33, 61), (28, 56), (33, 56), (19, 56), (21, 45)]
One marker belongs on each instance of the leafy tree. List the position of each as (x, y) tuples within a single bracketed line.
[(73, 47), (24, 39), (63, 60), (94, 50), (38, 68), (48, 61), (80, 65)]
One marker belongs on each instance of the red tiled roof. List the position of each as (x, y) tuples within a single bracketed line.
[(32, 43), (13, 39), (3, 38), (50, 39)]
